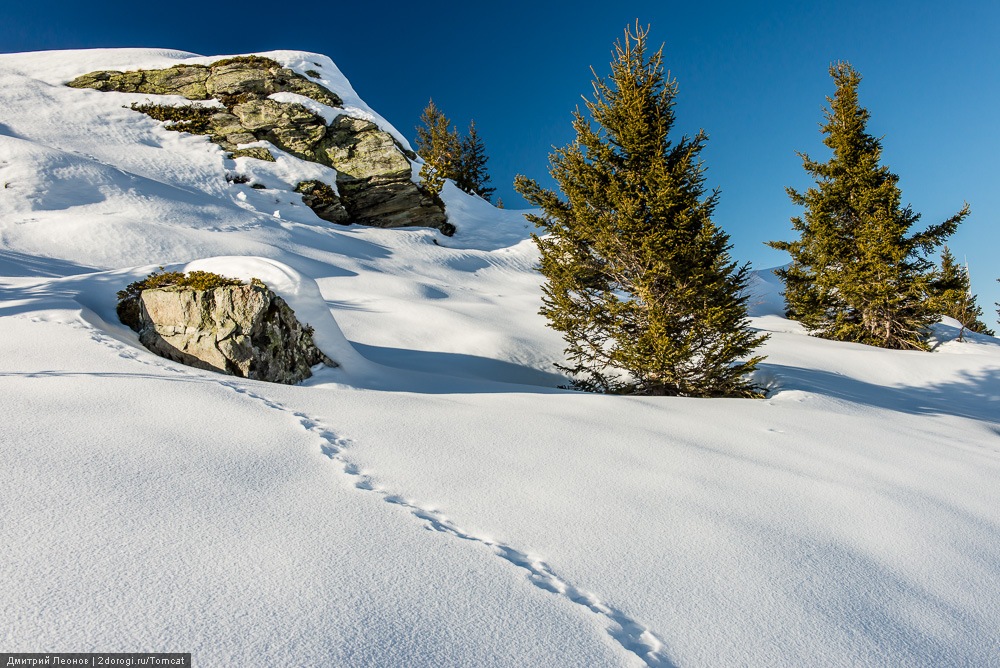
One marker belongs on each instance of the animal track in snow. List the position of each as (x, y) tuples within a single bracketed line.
[(630, 634)]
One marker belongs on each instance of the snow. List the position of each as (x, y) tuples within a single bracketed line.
[(437, 500)]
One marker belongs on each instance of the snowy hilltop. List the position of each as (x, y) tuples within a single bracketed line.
[(435, 499)]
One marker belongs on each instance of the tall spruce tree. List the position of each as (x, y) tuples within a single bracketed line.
[(953, 296), (439, 145), (858, 273), (472, 175), (638, 278)]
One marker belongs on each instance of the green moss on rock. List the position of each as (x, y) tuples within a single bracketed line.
[(323, 200), (259, 62), (257, 152), (193, 280), (186, 118)]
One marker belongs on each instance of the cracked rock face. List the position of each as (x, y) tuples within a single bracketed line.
[(373, 177), (324, 202), (243, 330), (291, 127), (373, 172), (358, 150)]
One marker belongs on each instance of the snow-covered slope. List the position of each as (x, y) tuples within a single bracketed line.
[(437, 500)]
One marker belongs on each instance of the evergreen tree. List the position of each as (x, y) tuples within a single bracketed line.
[(857, 272), (953, 296), (472, 176), (638, 278), (438, 144), (431, 179)]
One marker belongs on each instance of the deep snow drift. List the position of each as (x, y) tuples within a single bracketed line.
[(437, 500)]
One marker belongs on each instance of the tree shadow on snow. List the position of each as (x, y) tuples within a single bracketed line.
[(449, 373), (21, 265), (974, 395)]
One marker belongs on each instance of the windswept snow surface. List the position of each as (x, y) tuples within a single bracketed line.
[(437, 500)]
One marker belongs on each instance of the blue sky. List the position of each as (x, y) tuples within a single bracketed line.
[(753, 75)]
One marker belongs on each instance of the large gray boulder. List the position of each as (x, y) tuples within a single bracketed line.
[(241, 330), (373, 170)]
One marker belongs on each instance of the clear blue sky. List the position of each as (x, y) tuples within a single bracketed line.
[(754, 77)]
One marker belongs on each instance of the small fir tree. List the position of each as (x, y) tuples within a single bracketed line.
[(431, 179), (472, 175), (858, 273), (953, 296), (438, 144), (638, 278)]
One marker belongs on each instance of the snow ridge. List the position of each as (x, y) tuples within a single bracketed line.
[(632, 635)]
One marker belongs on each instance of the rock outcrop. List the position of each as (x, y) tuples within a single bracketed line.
[(373, 177), (228, 80), (241, 330), (373, 171)]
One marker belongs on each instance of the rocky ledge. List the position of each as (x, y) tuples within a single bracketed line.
[(373, 171), (241, 330)]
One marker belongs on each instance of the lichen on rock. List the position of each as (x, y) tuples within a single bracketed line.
[(291, 127), (225, 326), (262, 77), (357, 149), (241, 76), (185, 80)]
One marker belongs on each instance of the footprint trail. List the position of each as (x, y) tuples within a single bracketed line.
[(629, 633)]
